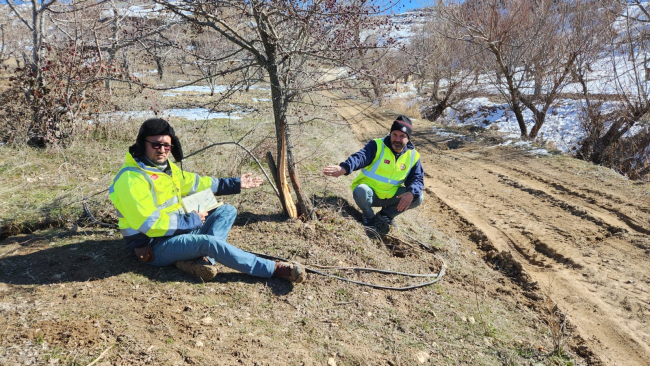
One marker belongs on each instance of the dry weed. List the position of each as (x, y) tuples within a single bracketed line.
[(555, 320), (408, 106)]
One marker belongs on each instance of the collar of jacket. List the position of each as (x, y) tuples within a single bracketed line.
[(134, 161)]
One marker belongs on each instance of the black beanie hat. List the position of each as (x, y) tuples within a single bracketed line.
[(403, 124), (154, 127)]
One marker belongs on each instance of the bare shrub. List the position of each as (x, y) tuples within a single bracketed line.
[(628, 156), (555, 320), (58, 106)]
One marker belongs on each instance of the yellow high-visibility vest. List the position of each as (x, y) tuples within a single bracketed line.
[(386, 173), (148, 201)]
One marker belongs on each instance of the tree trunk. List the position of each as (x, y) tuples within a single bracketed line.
[(376, 88), (613, 134), (36, 66), (520, 118), (540, 117), (279, 110), (303, 209), (284, 186)]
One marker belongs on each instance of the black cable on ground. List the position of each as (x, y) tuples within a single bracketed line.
[(93, 219), (438, 275)]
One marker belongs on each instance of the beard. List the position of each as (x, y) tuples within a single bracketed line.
[(397, 146)]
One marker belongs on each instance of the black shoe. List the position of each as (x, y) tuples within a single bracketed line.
[(369, 223), (385, 218)]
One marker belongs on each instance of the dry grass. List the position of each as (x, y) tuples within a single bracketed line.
[(408, 106), (79, 293)]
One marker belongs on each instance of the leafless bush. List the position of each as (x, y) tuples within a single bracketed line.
[(629, 156), (52, 107), (555, 320)]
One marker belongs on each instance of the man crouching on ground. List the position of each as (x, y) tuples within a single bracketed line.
[(391, 175), (147, 194)]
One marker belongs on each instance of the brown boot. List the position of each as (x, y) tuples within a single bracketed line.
[(291, 272), (201, 268)]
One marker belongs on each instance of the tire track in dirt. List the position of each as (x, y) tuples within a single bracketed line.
[(543, 224), (589, 196), (559, 242)]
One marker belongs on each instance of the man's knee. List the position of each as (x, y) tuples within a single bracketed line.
[(416, 202), (228, 209), (362, 193), (225, 210)]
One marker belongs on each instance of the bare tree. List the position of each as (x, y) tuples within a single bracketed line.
[(58, 86), (293, 43), (628, 47), (444, 67), (534, 45)]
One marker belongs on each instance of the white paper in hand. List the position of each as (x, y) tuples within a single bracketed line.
[(204, 199)]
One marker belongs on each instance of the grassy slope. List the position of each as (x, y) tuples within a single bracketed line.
[(72, 292)]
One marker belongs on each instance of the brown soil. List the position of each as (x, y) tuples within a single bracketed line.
[(511, 227), (580, 232)]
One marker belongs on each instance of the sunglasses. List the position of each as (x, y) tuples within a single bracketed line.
[(157, 145)]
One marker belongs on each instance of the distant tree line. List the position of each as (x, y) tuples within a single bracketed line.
[(62, 59), (529, 51)]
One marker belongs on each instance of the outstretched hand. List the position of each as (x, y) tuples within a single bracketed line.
[(405, 200), (248, 181), (334, 171)]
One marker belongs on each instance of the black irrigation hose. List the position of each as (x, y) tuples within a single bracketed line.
[(90, 215), (438, 275)]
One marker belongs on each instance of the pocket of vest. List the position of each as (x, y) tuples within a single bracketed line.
[(144, 254)]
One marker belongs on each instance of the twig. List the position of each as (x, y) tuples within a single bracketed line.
[(247, 151), (426, 246), (400, 240), (345, 302), (101, 355)]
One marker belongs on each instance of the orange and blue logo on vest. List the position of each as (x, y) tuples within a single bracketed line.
[(386, 161), (402, 167)]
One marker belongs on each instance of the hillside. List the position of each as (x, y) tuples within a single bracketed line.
[(518, 234), (555, 226)]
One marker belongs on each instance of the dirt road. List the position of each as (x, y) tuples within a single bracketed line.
[(554, 224)]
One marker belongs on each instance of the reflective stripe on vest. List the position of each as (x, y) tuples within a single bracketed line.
[(372, 173), (195, 186), (144, 174), (151, 220)]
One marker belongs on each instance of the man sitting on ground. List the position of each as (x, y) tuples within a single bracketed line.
[(147, 194)]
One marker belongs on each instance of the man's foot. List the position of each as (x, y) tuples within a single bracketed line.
[(370, 224), (291, 272), (200, 267), (385, 218)]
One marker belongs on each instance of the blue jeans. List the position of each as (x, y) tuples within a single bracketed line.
[(210, 241), (366, 199)]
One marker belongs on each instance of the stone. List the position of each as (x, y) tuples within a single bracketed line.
[(422, 357)]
